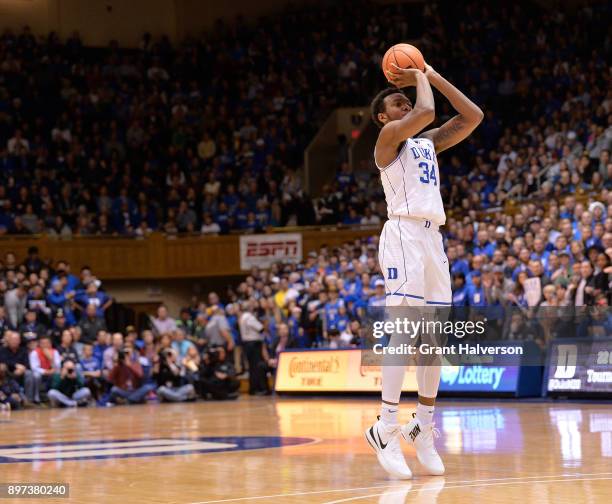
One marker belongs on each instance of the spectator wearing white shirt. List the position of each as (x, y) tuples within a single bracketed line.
[(252, 342), (15, 302), (508, 155), (369, 218), (108, 357), (17, 144), (209, 227), (217, 330), (45, 361), (163, 323)]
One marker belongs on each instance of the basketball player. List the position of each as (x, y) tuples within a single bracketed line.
[(411, 252)]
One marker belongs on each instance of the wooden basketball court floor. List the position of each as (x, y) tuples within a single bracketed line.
[(294, 450)]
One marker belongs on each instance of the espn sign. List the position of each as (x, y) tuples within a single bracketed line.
[(264, 250)]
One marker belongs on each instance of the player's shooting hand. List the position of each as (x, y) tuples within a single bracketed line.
[(403, 77)]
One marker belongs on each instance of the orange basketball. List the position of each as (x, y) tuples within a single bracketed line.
[(404, 56)]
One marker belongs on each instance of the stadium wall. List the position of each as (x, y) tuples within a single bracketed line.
[(161, 257), (100, 21)]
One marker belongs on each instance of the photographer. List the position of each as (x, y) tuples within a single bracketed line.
[(15, 356), (10, 396), (218, 378), (168, 374), (67, 387), (126, 378), (191, 364)]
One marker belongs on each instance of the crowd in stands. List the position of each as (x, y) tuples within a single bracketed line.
[(56, 346), (208, 135), (56, 342)]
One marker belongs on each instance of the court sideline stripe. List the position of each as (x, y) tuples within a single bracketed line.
[(296, 494), (480, 485)]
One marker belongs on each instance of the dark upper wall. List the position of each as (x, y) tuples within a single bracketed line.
[(100, 21)]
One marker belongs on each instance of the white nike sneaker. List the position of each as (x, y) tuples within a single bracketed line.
[(384, 440), (421, 436)]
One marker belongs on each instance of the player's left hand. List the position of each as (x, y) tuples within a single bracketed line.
[(429, 69)]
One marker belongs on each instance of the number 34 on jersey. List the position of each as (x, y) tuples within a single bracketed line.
[(427, 167)]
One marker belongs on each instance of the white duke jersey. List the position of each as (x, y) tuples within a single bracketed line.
[(412, 183)]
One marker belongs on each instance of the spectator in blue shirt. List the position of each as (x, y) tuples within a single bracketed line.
[(352, 217), (241, 215), (333, 266), (458, 264), (63, 270), (342, 321), (460, 294), (222, 218), (344, 176), (588, 239), (552, 264), (475, 292), (181, 345), (352, 283), (91, 369), (332, 308), (94, 297), (482, 245), (102, 343), (59, 299), (561, 244), (539, 251), (379, 297), (296, 332), (232, 320), (311, 267), (477, 263)]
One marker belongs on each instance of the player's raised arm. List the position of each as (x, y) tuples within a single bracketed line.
[(459, 127), (400, 120)]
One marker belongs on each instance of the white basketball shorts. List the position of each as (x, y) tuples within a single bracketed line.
[(413, 263)]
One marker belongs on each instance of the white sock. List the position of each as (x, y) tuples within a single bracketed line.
[(388, 413), (424, 413), (428, 379), (392, 380)]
